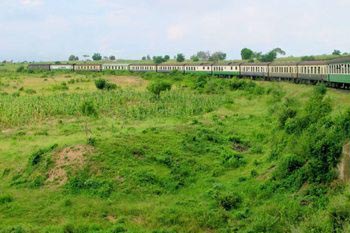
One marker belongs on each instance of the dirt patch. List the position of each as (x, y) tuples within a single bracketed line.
[(72, 158), (128, 81), (111, 218), (344, 165)]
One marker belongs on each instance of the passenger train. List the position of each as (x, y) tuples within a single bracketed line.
[(334, 73)]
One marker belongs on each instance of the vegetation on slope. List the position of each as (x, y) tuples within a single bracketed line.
[(206, 155)]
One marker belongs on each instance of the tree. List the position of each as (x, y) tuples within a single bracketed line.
[(112, 58), (271, 56), (73, 58), (336, 52), (144, 58), (86, 56), (203, 56), (217, 56), (247, 54), (158, 59), (159, 86), (180, 57), (166, 58), (148, 57), (195, 58), (96, 57)]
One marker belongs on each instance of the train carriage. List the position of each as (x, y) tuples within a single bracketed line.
[(119, 67), (61, 67), (143, 68), (166, 68), (283, 70), (39, 66), (203, 68), (231, 69), (87, 67), (339, 70), (313, 71), (255, 69)]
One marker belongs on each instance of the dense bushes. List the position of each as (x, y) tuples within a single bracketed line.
[(157, 87), (103, 84), (314, 138)]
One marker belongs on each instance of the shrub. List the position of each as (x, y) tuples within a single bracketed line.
[(5, 199), (103, 84), (88, 109), (100, 83), (229, 201), (157, 87)]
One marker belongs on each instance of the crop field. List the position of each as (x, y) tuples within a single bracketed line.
[(201, 155)]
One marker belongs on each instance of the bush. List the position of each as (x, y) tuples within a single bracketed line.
[(157, 87), (103, 84), (230, 201), (5, 199), (100, 83), (88, 109)]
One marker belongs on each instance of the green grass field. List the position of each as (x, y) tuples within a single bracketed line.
[(209, 155)]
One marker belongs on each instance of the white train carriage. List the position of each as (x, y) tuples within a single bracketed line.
[(255, 69), (283, 70), (313, 70), (198, 68), (143, 68), (231, 69), (119, 67), (166, 68), (61, 67)]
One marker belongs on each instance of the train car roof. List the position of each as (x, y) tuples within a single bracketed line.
[(228, 64), (171, 64), (305, 63), (284, 63), (142, 64), (115, 64), (340, 60), (256, 64)]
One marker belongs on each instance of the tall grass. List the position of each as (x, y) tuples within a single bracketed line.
[(19, 110)]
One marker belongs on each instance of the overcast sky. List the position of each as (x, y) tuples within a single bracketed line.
[(53, 29)]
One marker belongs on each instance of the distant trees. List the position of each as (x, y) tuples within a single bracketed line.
[(308, 58), (180, 57), (247, 54), (203, 55), (166, 58), (336, 52), (159, 59), (144, 58), (217, 56), (96, 57), (73, 58), (195, 58), (112, 58)]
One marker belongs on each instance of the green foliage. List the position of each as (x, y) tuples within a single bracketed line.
[(96, 57), (103, 84), (158, 87), (5, 199), (36, 157), (88, 109), (217, 56), (247, 54), (229, 201), (180, 57), (308, 58)]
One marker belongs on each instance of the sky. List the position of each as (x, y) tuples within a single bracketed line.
[(51, 30)]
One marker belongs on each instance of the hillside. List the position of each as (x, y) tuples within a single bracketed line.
[(209, 155)]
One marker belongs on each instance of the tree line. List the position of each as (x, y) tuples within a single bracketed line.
[(206, 56)]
